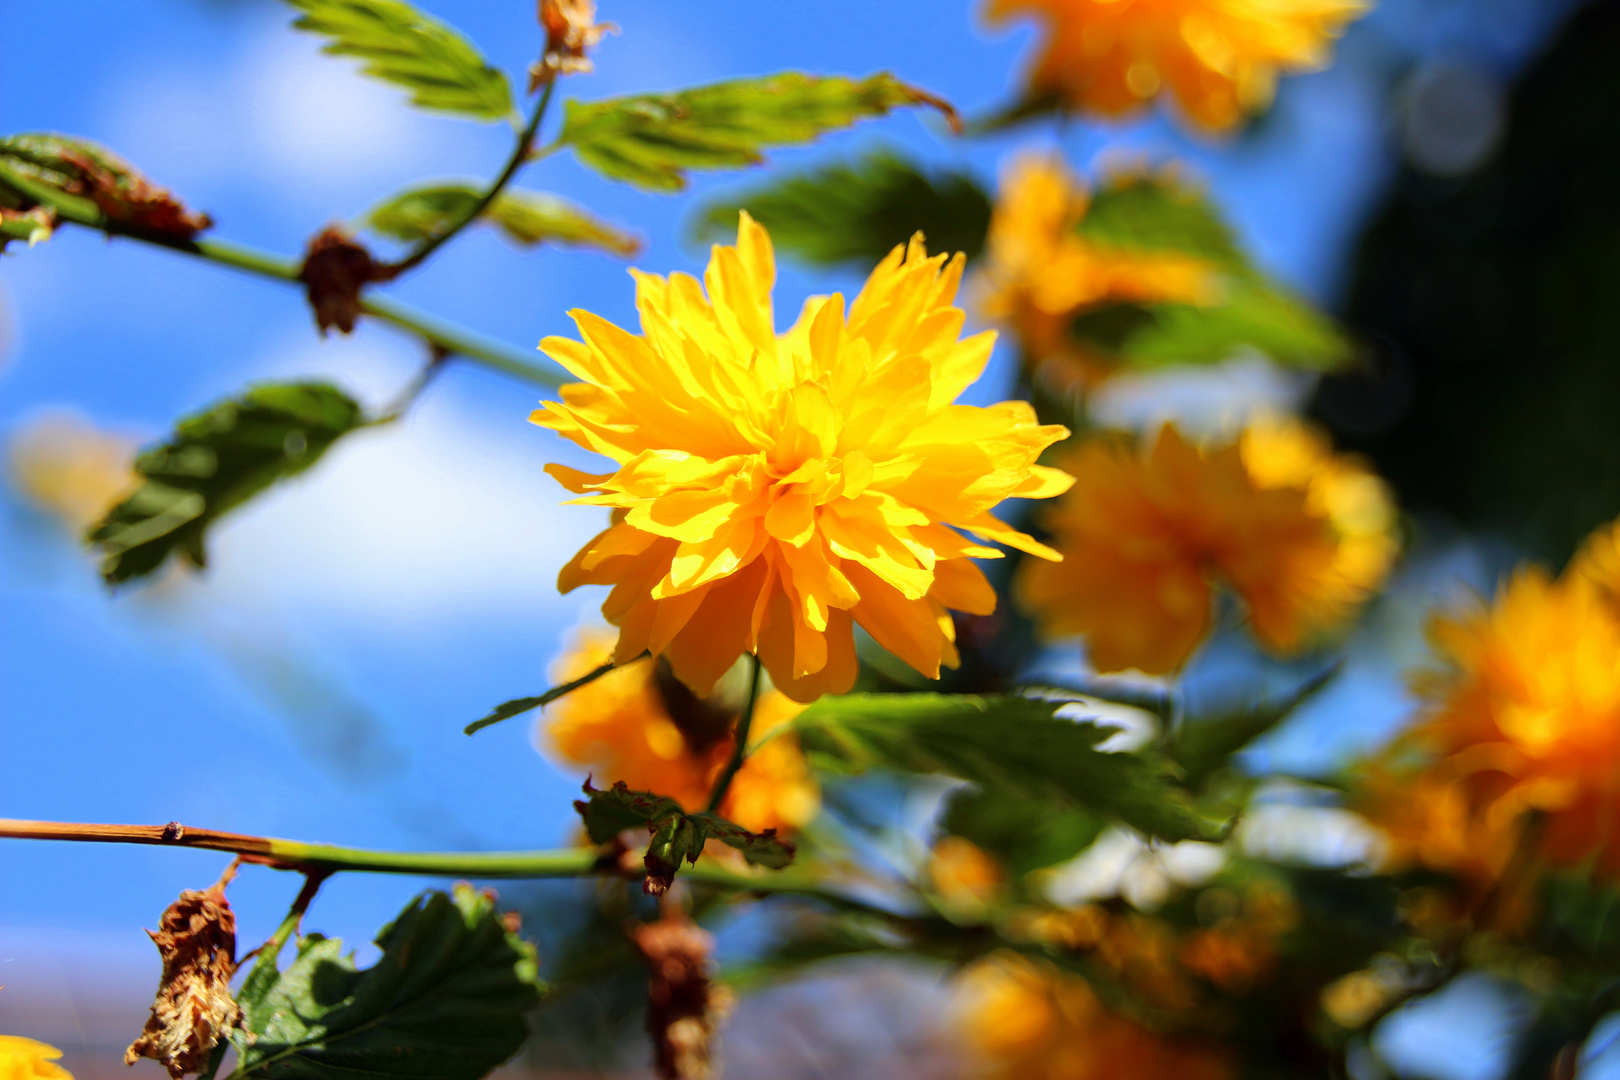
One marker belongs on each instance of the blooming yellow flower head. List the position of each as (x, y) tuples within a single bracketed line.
[(71, 468), (1219, 59), (623, 726), (1029, 1021), (1526, 715), (770, 492), (1040, 273), (1300, 535), (25, 1059)]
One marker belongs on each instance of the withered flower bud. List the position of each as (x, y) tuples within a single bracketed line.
[(685, 1008), (571, 28), (335, 270), (194, 1009)]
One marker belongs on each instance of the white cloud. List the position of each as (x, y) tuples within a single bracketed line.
[(427, 519)]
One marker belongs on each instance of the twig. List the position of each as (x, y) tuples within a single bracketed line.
[(739, 750), (446, 335), (520, 156)]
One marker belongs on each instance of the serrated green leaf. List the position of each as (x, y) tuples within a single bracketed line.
[(857, 213), (214, 462), (676, 835), (609, 811), (1201, 746), (399, 44), (1024, 833), (651, 140), (446, 1000), (1252, 314), (525, 217), (1000, 743)]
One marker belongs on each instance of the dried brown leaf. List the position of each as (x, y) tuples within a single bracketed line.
[(335, 269), (194, 1009), (685, 1006)]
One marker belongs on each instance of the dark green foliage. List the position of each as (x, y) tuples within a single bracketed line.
[(1024, 833), (676, 835), (527, 218), (1204, 745), (854, 214), (1000, 743), (1493, 382), (651, 140), (214, 462), (446, 1001), (1248, 313), (399, 44)]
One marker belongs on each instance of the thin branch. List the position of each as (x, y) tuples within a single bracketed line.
[(520, 156), (326, 859), (739, 750), (447, 335)]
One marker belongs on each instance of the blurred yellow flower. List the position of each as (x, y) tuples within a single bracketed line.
[(1219, 59), (25, 1059), (624, 726), (1302, 536), (1525, 716), (968, 879), (770, 492), (1040, 273), (1029, 1021), (72, 469)]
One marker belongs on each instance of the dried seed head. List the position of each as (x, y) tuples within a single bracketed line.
[(335, 270), (571, 28), (194, 1009), (685, 1008)]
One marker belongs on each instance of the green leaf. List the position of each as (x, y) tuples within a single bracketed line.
[(651, 140), (1000, 743), (1155, 213), (527, 218), (1203, 746), (855, 214), (676, 835), (442, 70), (1025, 833), (446, 1001), (214, 462)]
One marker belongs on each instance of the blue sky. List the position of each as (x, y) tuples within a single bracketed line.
[(314, 682)]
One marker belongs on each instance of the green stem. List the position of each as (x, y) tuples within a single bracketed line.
[(739, 750), (519, 157), (446, 335), (324, 859)]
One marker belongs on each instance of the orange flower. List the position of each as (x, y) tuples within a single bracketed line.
[(1040, 273), (1300, 535), (1030, 1021), (651, 733), (1525, 718), (968, 879), (769, 492), (25, 1059), (1219, 59)]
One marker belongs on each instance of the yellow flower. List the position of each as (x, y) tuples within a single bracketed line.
[(968, 879), (72, 469), (772, 492), (629, 725), (1030, 1021), (1525, 717), (1040, 273), (1300, 535), (1219, 59), (25, 1059)]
